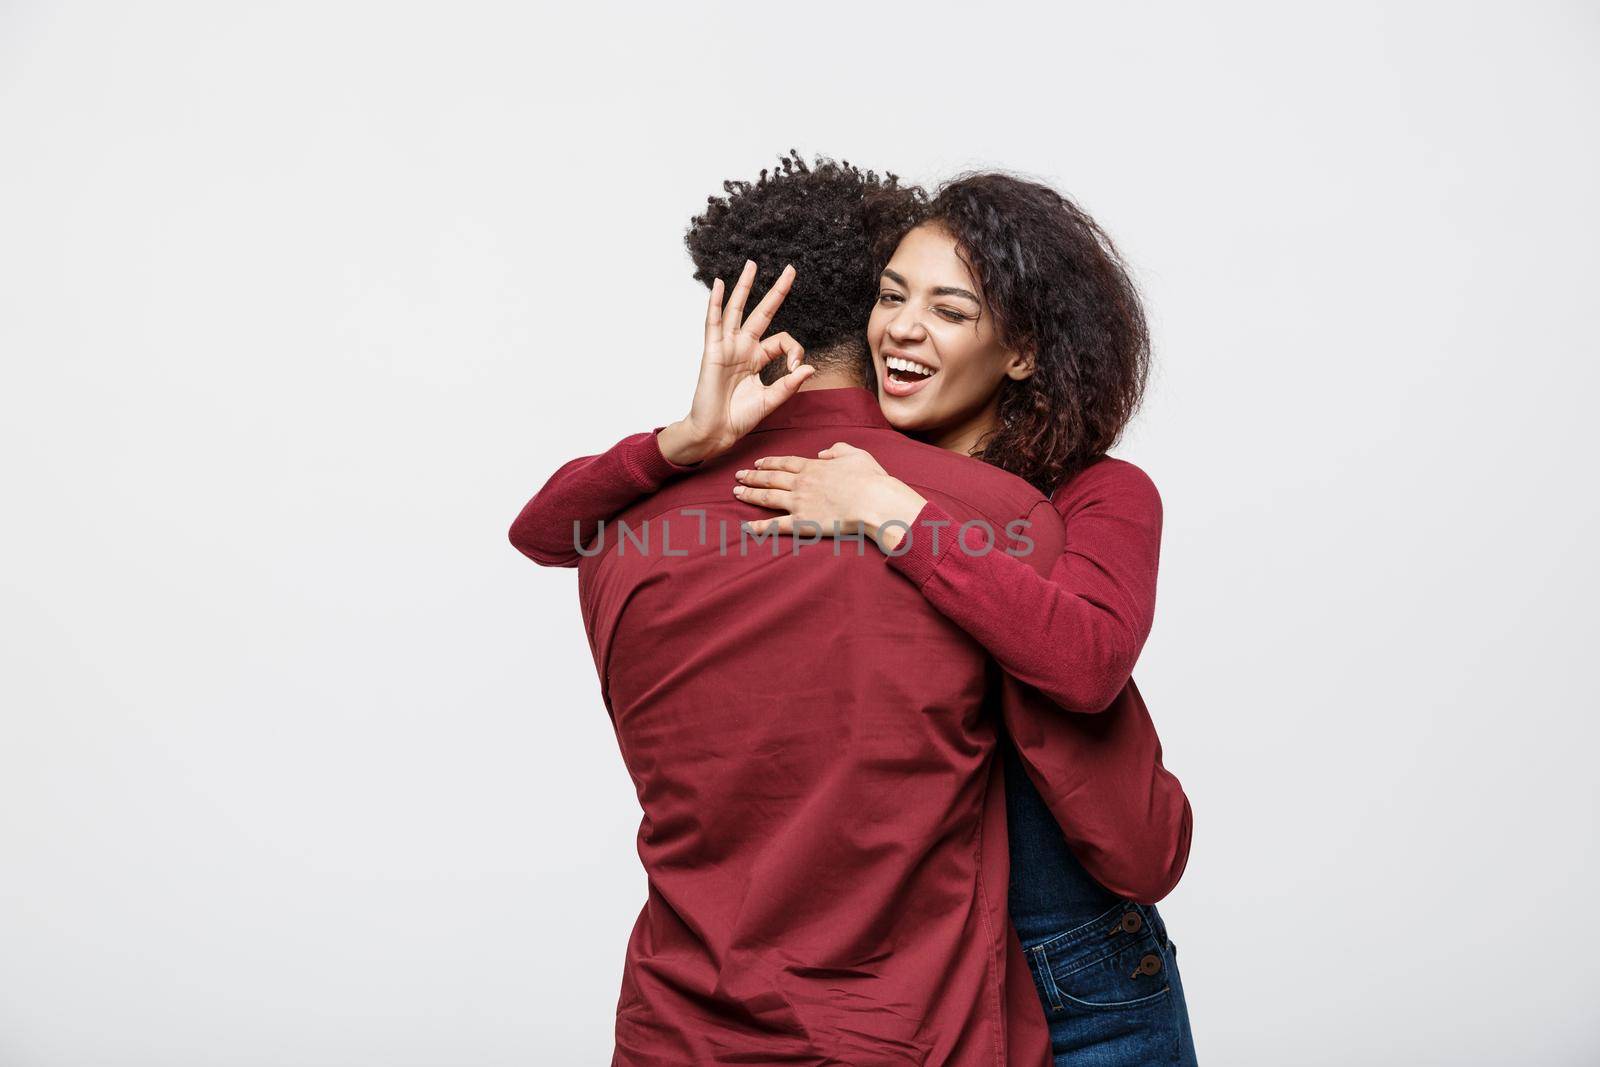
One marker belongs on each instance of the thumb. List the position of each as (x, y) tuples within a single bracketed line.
[(781, 390)]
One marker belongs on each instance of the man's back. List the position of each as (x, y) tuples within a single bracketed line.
[(814, 750)]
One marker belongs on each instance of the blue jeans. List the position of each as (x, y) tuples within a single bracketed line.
[(1104, 968)]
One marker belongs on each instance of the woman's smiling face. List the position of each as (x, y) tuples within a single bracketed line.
[(938, 358)]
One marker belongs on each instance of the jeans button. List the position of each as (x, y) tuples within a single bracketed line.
[(1131, 922), (1149, 965)]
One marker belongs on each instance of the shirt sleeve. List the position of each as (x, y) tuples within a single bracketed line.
[(1076, 632), (566, 514), (1123, 814)]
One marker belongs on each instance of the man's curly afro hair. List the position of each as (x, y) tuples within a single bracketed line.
[(821, 218)]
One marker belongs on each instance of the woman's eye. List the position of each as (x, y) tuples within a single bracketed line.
[(952, 315)]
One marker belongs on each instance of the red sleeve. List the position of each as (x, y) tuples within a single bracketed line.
[(566, 513), (1076, 633), (1123, 814), (1068, 629)]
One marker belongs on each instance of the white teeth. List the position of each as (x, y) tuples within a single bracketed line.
[(908, 365)]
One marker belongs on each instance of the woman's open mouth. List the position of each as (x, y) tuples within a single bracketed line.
[(903, 377)]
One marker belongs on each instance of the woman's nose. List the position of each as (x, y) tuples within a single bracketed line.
[(906, 326)]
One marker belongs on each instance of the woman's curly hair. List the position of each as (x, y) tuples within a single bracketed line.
[(1055, 284), (817, 217)]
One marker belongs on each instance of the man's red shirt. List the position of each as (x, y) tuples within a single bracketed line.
[(814, 748)]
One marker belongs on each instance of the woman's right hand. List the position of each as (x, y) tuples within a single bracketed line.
[(729, 398)]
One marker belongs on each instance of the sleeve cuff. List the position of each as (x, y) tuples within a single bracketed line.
[(914, 556), (641, 456)]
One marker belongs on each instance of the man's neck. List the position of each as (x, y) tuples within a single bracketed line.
[(832, 378)]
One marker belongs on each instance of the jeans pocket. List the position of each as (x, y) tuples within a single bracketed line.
[(1129, 979), (1111, 991), (1117, 962)]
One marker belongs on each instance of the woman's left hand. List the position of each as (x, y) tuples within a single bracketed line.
[(842, 491)]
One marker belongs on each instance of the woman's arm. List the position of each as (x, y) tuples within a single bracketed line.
[(565, 515), (1076, 634), (1067, 624), (729, 400), (1073, 637), (1068, 632)]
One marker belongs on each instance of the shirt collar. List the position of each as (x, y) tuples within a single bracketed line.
[(847, 406)]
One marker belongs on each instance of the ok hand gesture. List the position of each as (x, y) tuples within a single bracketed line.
[(729, 397)]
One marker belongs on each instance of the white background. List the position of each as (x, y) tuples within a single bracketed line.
[(302, 764)]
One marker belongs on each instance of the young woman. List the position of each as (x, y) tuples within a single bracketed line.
[(1004, 327)]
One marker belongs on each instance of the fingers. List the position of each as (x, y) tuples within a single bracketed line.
[(782, 524), (714, 314), (766, 479), (779, 344), (769, 348), (776, 499), (837, 449), (733, 314), (761, 317), (774, 395), (792, 464)]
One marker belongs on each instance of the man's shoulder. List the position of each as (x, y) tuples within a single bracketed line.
[(966, 487), (981, 486)]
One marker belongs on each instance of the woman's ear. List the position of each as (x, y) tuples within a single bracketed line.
[(1022, 364)]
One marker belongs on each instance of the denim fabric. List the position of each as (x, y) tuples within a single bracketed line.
[(1104, 967)]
